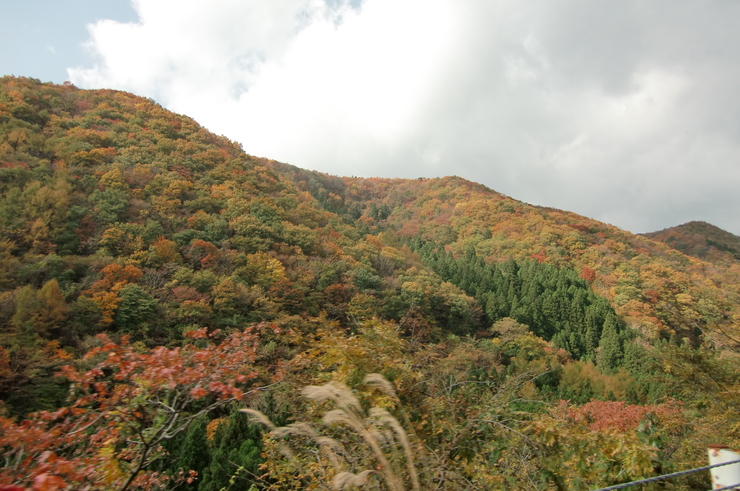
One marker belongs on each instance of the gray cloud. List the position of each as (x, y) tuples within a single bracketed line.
[(627, 112)]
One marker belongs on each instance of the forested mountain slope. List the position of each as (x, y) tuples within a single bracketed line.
[(656, 289), (701, 240), (521, 341), (118, 216)]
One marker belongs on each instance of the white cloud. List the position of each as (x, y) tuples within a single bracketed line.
[(625, 111)]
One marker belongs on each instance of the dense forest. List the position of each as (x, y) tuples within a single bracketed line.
[(701, 240), (175, 313)]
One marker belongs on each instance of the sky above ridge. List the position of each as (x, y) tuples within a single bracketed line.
[(627, 112)]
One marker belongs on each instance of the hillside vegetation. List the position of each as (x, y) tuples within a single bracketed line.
[(701, 240), (154, 279)]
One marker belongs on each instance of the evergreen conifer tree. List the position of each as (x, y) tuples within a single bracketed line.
[(237, 448), (609, 357)]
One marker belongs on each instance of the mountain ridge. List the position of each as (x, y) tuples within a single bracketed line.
[(701, 240), (607, 243), (92, 133), (501, 325)]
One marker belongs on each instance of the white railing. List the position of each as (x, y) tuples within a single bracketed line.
[(723, 462)]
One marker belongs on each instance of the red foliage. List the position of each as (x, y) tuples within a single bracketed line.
[(410, 228), (11, 165), (82, 106), (337, 293), (203, 252), (183, 293), (604, 415), (652, 295), (126, 405), (588, 274), (581, 227), (183, 171), (540, 256)]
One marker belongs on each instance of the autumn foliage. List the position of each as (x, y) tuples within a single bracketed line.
[(124, 408), (618, 415), (135, 247)]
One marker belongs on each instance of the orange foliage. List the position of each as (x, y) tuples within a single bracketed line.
[(604, 415), (105, 291), (54, 352), (588, 274), (540, 256), (107, 437), (165, 251), (115, 273)]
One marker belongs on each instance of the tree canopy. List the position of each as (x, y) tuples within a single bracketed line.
[(155, 278)]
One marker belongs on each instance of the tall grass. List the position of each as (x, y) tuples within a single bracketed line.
[(369, 448)]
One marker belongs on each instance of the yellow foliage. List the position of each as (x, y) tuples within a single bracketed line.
[(261, 269), (108, 302), (213, 426), (113, 180), (362, 307), (54, 352), (112, 472), (587, 459), (578, 373)]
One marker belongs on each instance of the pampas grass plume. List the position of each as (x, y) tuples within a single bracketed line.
[(382, 383), (344, 480)]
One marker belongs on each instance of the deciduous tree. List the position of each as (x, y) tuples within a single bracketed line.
[(124, 408)]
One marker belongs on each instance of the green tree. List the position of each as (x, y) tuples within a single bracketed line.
[(609, 356), (136, 308), (39, 314), (53, 310), (109, 205), (236, 450)]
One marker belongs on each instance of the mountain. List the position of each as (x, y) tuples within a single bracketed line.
[(521, 340), (701, 240), (654, 288)]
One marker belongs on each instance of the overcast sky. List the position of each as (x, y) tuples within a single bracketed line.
[(627, 112)]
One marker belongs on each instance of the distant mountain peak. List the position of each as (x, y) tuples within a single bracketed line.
[(701, 240)]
